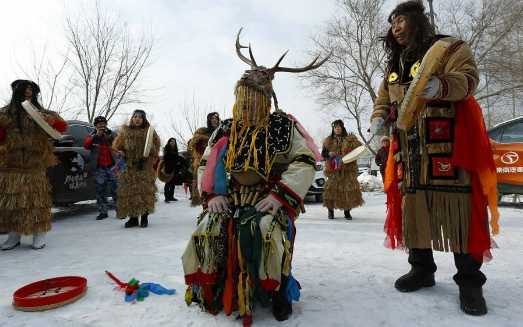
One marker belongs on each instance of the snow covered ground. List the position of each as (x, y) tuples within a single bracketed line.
[(346, 274)]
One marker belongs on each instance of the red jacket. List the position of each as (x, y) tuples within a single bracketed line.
[(100, 145)]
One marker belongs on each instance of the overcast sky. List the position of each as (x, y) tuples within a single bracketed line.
[(194, 52)]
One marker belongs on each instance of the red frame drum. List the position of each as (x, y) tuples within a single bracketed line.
[(49, 293)]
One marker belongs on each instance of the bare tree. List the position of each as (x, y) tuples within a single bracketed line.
[(349, 78), (493, 30), (194, 116), (54, 79), (108, 61)]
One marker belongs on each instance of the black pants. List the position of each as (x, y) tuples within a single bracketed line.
[(168, 191), (468, 274)]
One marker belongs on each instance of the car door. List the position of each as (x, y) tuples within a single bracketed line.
[(507, 148), (72, 179)]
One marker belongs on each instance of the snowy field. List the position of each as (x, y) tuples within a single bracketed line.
[(346, 274)]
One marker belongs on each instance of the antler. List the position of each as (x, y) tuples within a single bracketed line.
[(312, 65), (251, 62)]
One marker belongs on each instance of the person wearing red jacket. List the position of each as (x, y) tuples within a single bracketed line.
[(100, 143)]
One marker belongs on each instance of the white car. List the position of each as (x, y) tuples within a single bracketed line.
[(318, 184)]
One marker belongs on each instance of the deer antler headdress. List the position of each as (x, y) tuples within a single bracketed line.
[(260, 77)]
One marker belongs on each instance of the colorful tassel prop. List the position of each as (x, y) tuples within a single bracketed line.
[(136, 291)]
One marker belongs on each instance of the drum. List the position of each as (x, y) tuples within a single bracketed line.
[(49, 293), (412, 104), (354, 154), (36, 116), (149, 139)]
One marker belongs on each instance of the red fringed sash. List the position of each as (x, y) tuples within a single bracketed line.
[(472, 152)]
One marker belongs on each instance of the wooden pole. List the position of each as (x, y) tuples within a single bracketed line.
[(431, 8)]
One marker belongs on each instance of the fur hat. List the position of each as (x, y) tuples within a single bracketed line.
[(25, 83)]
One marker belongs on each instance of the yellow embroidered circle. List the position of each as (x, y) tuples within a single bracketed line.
[(393, 77), (414, 69)]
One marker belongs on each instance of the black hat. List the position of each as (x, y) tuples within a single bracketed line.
[(25, 83), (100, 119)]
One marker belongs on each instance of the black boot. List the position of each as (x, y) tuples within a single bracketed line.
[(421, 274), (281, 308), (331, 213), (132, 222), (144, 222), (101, 216), (472, 301), (347, 214), (470, 280), (414, 280)]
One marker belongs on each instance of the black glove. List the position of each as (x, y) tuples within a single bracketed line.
[(140, 164)]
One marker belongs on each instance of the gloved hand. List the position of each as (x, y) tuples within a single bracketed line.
[(140, 164), (432, 89), (376, 124), (269, 204), (218, 204)]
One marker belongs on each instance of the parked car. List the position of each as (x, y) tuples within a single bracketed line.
[(318, 184), (507, 147), (72, 180)]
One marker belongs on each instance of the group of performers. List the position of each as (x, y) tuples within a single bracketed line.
[(252, 171), (258, 165)]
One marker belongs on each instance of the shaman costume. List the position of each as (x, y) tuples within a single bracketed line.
[(439, 172), (25, 154), (342, 190), (172, 169), (136, 191), (242, 255), (196, 147)]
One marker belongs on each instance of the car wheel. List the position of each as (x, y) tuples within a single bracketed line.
[(319, 197)]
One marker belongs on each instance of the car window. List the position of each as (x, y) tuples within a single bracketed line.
[(79, 132), (513, 133), (495, 134)]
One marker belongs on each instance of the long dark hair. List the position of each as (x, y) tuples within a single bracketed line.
[(168, 150), (145, 122), (210, 128), (338, 122), (421, 38)]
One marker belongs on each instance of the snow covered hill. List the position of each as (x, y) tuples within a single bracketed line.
[(346, 274)]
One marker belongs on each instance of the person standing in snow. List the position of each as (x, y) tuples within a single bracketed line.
[(171, 169), (381, 156), (443, 176), (342, 189), (100, 144), (136, 184), (25, 154), (196, 146)]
